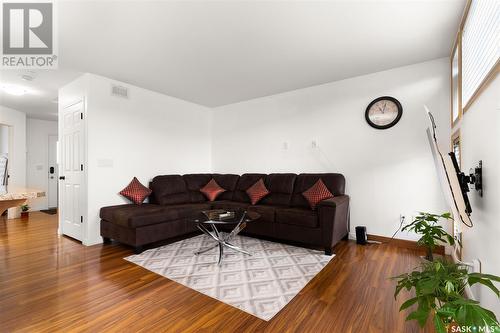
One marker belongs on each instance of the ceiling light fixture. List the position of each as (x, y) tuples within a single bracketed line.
[(14, 90), (27, 77)]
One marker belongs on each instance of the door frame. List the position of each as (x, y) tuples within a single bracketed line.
[(9, 149), (84, 196), (14, 212), (48, 168)]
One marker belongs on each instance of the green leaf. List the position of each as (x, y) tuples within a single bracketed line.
[(473, 280), (486, 276), (473, 314), (449, 287), (420, 316), (446, 311), (408, 303), (439, 325)]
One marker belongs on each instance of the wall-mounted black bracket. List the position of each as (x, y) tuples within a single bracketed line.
[(476, 178)]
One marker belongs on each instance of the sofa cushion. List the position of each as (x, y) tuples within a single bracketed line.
[(212, 190), (267, 213), (186, 211), (136, 192), (227, 182), (316, 193), (244, 182), (169, 190), (229, 205), (257, 191), (297, 216), (121, 213), (134, 216), (334, 182), (106, 213), (281, 187), (193, 183)]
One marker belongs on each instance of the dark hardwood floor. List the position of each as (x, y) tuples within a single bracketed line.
[(50, 283)]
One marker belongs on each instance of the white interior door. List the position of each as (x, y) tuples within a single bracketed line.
[(71, 171), (53, 172)]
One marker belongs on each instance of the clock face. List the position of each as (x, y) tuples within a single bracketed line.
[(383, 112)]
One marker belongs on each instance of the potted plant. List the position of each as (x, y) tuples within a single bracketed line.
[(426, 225), (439, 292), (25, 211)]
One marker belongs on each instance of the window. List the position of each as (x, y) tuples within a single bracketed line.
[(480, 40), (456, 105)]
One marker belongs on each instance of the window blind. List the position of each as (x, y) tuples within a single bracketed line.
[(480, 45)]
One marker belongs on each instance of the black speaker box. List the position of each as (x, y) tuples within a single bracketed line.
[(361, 237)]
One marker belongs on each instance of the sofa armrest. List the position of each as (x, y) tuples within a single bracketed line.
[(335, 201), (333, 217)]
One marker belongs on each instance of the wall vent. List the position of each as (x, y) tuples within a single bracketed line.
[(119, 91)]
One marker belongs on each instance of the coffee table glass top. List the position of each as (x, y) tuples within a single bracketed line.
[(221, 216)]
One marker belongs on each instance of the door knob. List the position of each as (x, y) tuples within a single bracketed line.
[(51, 170), (62, 178)]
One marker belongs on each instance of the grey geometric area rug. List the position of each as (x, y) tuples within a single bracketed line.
[(261, 284)]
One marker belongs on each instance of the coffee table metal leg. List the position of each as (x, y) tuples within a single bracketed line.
[(206, 249), (221, 240), (221, 252), (207, 232), (236, 248)]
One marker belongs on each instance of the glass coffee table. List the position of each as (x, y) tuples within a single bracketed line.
[(208, 220)]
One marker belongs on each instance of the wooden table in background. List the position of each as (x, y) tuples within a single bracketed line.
[(17, 198)]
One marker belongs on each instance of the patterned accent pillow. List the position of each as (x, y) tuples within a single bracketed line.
[(136, 192), (257, 191), (316, 193), (212, 190)]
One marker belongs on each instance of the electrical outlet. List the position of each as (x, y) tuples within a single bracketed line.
[(314, 144), (476, 266)]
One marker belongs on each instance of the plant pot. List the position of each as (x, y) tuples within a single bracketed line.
[(25, 215)]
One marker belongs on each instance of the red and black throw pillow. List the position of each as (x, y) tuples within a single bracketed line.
[(212, 190), (257, 191), (136, 192), (316, 193)]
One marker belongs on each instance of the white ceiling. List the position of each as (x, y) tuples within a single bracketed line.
[(40, 99), (220, 52)]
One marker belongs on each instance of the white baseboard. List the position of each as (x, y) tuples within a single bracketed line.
[(90, 242)]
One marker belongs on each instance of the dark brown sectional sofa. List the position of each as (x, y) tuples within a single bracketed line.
[(285, 214)]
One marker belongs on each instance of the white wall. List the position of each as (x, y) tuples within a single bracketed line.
[(480, 137), (388, 172), (37, 140), (145, 135), (17, 152)]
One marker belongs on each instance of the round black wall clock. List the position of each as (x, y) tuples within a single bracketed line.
[(383, 112)]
